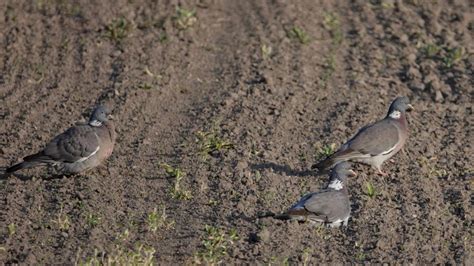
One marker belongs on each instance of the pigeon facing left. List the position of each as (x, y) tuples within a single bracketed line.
[(375, 143), (330, 206), (79, 148)]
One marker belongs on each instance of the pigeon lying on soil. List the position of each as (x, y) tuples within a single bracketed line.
[(329, 206), (375, 143), (79, 148)]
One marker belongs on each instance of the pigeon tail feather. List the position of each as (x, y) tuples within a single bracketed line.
[(334, 159), (21, 165)]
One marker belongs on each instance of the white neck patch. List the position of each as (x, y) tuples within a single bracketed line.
[(95, 123), (395, 114), (336, 184)]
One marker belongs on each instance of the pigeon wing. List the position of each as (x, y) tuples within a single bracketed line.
[(76, 144), (327, 205), (375, 139)]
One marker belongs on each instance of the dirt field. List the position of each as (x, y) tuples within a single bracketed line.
[(239, 99)]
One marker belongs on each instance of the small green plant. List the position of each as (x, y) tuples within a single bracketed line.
[(325, 151), (331, 22), (215, 244), (360, 255), (268, 197), (124, 235), (213, 202), (306, 256), (453, 56), (184, 18), (210, 143), (163, 37), (62, 220), (431, 50), (145, 86), (118, 29), (11, 229), (92, 220), (299, 34), (266, 51), (370, 190), (140, 255), (160, 220), (177, 192), (329, 68), (430, 165), (274, 260)]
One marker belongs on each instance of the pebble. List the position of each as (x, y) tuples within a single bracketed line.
[(411, 58), (438, 96)]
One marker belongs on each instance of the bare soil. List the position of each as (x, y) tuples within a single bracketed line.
[(273, 83)]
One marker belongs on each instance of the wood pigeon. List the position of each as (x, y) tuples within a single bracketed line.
[(330, 206), (375, 143), (79, 148)]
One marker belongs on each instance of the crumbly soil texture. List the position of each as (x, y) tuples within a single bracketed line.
[(221, 107)]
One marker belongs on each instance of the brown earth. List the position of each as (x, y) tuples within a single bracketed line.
[(235, 73)]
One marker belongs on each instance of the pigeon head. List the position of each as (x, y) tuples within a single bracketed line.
[(99, 115), (399, 106), (339, 175)]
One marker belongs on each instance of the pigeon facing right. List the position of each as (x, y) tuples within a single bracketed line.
[(330, 206), (80, 148), (375, 143)]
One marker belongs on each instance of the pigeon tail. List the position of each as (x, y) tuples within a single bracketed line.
[(334, 159), (20, 166), (38, 157), (28, 162), (325, 164)]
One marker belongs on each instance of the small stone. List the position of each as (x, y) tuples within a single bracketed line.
[(413, 73), (411, 58), (417, 85), (439, 96), (404, 38), (264, 235), (435, 85)]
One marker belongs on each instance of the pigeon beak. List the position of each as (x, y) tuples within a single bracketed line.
[(352, 173), (410, 107), (111, 117)]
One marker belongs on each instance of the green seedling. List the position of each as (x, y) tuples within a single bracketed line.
[(430, 164), (163, 37), (325, 151), (160, 220), (124, 235), (215, 244), (213, 202), (184, 18), (145, 86), (306, 256), (177, 192), (266, 51), (332, 23), (274, 260), (210, 143), (453, 57), (92, 220), (329, 68), (141, 255), (299, 34), (11, 229), (118, 29), (431, 50), (62, 220), (370, 190)]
